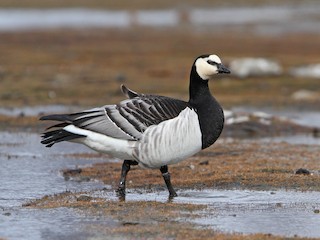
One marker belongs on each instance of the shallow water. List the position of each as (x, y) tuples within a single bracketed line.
[(285, 213), (29, 171), (56, 223), (261, 19), (36, 110), (293, 139), (305, 118)]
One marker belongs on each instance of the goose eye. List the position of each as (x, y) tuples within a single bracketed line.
[(212, 62)]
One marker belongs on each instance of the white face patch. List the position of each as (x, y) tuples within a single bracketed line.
[(206, 70), (214, 58)]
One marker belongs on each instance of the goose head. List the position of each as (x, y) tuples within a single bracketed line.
[(207, 66)]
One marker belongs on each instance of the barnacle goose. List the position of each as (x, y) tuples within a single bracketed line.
[(148, 130)]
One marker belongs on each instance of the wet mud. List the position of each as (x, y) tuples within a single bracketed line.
[(229, 164)]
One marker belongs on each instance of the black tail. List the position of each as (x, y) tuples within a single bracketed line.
[(51, 137)]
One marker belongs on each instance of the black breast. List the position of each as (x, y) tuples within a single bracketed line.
[(211, 119)]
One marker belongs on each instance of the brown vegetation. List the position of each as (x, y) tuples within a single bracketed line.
[(86, 67)]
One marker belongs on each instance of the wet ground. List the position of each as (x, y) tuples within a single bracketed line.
[(27, 172), (68, 191)]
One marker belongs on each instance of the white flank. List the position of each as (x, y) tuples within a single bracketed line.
[(167, 143), (170, 141), (101, 143)]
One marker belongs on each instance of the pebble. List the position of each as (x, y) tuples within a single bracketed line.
[(84, 198), (204, 163), (192, 167)]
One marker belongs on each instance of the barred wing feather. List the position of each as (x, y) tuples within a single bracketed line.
[(126, 120)]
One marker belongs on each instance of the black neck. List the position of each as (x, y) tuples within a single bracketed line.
[(198, 88), (210, 113)]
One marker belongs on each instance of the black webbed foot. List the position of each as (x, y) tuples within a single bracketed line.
[(121, 191)]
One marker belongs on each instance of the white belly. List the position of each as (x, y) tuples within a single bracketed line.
[(170, 142)]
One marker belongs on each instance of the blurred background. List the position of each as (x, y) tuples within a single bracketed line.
[(79, 52), (62, 56)]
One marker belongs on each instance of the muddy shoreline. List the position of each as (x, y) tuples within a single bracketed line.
[(239, 165), (229, 164)]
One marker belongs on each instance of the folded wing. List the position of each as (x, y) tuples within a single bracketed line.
[(126, 120)]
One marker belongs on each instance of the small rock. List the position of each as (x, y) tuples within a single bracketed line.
[(304, 95), (21, 114), (228, 114), (75, 175), (260, 114), (130, 223), (316, 211), (84, 198), (312, 70), (237, 119), (245, 67), (303, 171), (72, 172), (204, 163), (316, 132)]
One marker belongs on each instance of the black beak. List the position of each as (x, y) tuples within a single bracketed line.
[(223, 69)]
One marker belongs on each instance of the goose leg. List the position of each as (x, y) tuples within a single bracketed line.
[(121, 191), (166, 177)]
